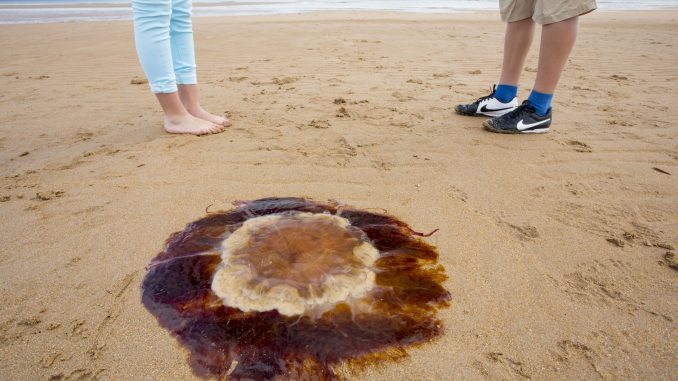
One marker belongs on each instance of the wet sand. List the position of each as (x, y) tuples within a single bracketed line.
[(557, 246)]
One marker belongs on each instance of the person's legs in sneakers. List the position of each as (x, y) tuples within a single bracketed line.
[(559, 33)]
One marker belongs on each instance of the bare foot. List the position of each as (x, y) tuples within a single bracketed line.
[(189, 124), (199, 112)]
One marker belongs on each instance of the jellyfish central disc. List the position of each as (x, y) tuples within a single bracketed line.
[(294, 263), (300, 251)]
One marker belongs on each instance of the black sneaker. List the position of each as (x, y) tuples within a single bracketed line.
[(523, 120), (487, 106)]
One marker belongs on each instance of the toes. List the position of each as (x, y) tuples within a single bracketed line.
[(217, 128), (207, 130), (223, 121)]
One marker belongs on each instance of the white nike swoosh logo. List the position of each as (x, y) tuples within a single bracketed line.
[(485, 109), (522, 126)]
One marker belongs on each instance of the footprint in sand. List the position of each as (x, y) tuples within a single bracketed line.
[(618, 77), (342, 112), (382, 165), (670, 260), (83, 136), (579, 146), (50, 359), (16, 328), (78, 374), (606, 285), (616, 241), (284, 80), (640, 234), (46, 196), (579, 88), (321, 124), (78, 328), (525, 232), (441, 75), (570, 351), (237, 79), (457, 193), (401, 97), (507, 366)]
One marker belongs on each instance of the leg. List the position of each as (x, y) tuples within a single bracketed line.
[(558, 38), (557, 41), (183, 58), (517, 43), (152, 36), (519, 35)]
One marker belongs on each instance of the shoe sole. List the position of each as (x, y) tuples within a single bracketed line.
[(489, 127)]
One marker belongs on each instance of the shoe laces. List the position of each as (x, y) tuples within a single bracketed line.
[(493, 89), (518, 112)]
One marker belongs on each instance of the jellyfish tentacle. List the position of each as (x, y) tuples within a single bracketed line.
[(424, 234)]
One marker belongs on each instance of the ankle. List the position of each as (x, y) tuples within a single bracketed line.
[(194, 109), (177, 117), (540, 101), (505, 93)]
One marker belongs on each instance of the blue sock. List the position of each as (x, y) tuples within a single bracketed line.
[(505, 93), (540, 101)]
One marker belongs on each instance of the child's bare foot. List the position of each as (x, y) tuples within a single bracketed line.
[(189, 124), (199, 112)]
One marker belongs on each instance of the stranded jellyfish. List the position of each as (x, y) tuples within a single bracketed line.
[(292, 289)]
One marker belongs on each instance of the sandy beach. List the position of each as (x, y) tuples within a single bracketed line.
[(560, 248)]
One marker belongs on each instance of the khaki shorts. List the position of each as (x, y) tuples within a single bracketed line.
[(544, 11)]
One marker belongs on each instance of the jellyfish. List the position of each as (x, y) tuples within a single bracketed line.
[(292, 289)]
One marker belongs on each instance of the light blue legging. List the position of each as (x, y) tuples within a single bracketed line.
[(164, 38)]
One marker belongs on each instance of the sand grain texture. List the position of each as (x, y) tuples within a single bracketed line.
[(556, 245)]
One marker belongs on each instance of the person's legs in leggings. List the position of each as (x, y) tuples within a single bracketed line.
[(557, 41), (183, 58), (152, 36), (517, 42)]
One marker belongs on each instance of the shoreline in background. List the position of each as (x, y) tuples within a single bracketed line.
[(109, 10)]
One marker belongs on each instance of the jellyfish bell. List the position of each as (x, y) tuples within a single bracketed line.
[(296, 263), (290, 289)]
